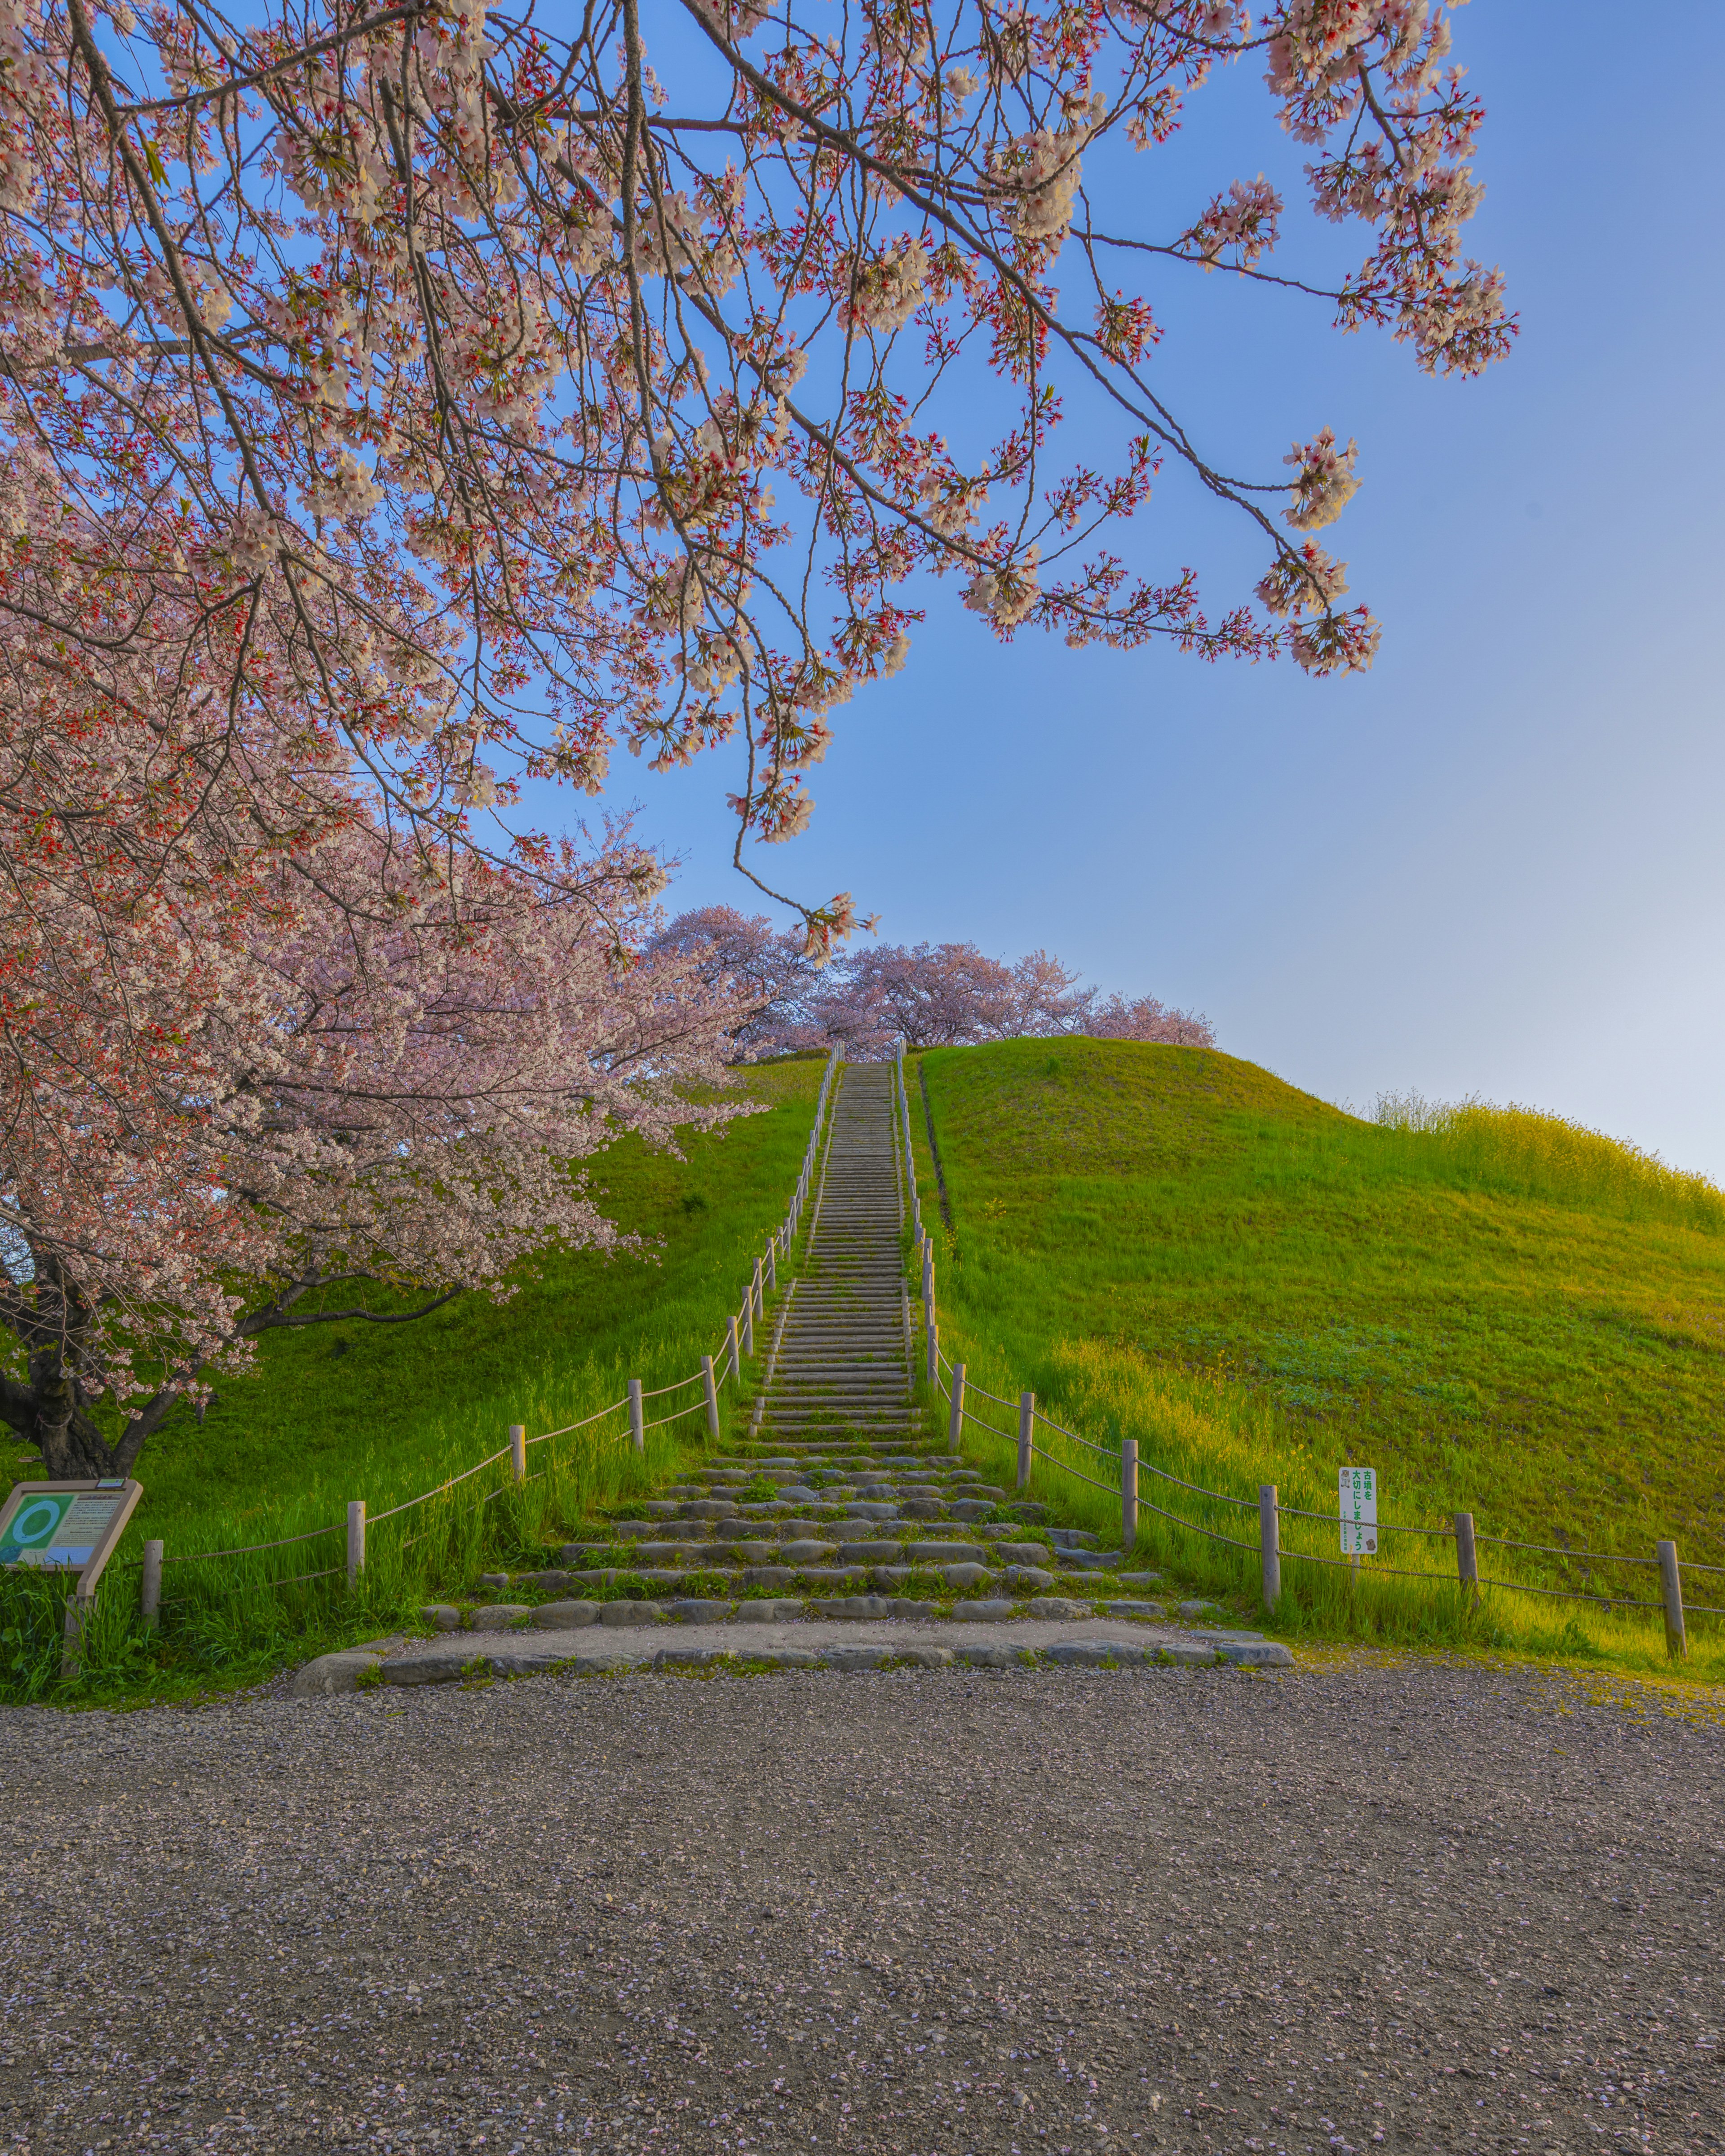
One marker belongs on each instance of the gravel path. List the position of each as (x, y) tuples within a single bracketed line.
[(927, 1912)]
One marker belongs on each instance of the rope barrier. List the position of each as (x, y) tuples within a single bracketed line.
[(1502, 1542), (1066, 1467), (675, 1386), (1049, 1423), (251, 1549), (441, 1489), (694, 1407), (1572, 1594), (570, 1428)]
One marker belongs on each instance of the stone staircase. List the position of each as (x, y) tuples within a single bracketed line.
[(838, 1368), (840, 1482), (840, 1508)]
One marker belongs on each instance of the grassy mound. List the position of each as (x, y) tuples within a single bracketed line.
[(1499, 1311), (387, 1412)]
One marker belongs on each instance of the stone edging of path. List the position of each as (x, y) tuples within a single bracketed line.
[(793, 1645)]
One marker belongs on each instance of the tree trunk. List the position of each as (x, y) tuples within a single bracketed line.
[(73, 1449)]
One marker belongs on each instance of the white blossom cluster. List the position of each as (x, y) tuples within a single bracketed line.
[(1005, 593), (950, 507), (1325, 483), (1308, 582), (1044, 170), (887, 289)]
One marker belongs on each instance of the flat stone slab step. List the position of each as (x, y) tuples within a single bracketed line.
[(839, 1645)]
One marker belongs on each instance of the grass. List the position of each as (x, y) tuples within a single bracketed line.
[(386, 1413), (1497, 1310)]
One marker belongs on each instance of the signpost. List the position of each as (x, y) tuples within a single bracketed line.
[(67, 1526), (1359, 1511)]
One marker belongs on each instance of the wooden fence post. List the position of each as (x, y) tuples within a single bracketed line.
[(730, 1350), (72, 1639), (1671, 1579), (150, 1586), (1027, 1411), (748, 1324), (518, 1450), (637, 1428), (772, 1266), (712, 1398), (955, 1420), (934, 1353), (1269, 1543), (356, 1540), (1467, 1563), (758, 1300), (1128, 1494)]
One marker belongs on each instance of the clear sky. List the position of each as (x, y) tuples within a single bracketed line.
[(1493, 864)]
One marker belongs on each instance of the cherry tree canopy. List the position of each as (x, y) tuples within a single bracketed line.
[(225, 1118), (928, 995), (430, 372)]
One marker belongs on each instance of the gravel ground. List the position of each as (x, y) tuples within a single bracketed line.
[(1411, 1906)]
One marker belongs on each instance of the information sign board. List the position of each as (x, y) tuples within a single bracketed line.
[(1359, 1511), (67, 1526)]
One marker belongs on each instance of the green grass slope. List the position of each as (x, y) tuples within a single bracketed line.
[(386, 1413), (1500, 1313)]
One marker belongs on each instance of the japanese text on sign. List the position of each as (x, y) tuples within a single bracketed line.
[(1359, 1511)]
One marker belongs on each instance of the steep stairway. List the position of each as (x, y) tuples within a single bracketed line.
[(839, 1367), (837, 1516), (841, 1481), (839, 1508)]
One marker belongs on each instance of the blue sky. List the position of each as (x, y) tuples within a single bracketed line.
[(1493, 865)]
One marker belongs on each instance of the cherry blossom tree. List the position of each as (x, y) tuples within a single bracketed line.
[(928, 995), (767, 973), (368, 1077), (1143, 1018), (433, 372)]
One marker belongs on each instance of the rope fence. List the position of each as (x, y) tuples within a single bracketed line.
[(717, 1370), (947, 1381)]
